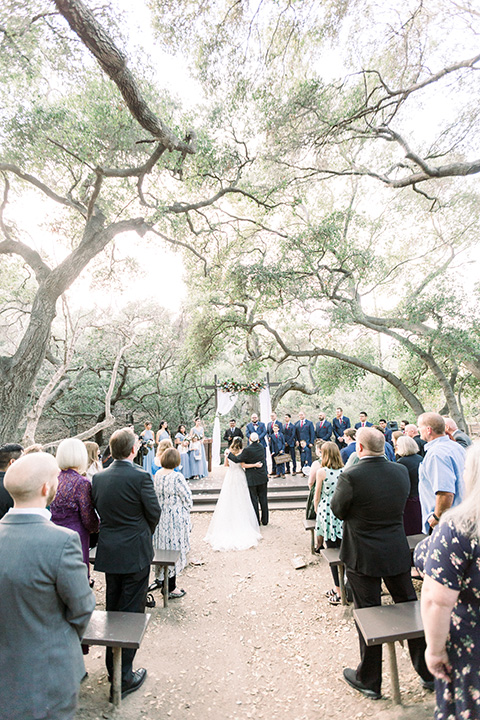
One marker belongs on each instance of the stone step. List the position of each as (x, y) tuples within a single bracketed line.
[(272, 489), (272, 505)]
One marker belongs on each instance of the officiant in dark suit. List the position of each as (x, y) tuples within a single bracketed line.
[(257, 477), (126, 501), (232, 432), (370, 498)]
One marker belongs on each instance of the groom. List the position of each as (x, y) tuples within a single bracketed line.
[(257, 477)]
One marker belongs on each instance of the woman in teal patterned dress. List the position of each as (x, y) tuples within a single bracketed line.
[(450, 560), (329, 526)]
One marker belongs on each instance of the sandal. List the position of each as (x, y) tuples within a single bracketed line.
[(155, 585), (331, 592), (176, 594), (334, 599), (150, 601)]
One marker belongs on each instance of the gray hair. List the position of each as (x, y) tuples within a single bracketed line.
[(466, 515), (406, 445), (254, 437), (72, 453)]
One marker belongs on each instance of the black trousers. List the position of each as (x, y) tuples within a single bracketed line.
[(258, 495), (367, 593), (125, 593)]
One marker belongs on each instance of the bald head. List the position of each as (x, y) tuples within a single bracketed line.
[(430, 426), (450, 425), (411, 430), (253, 437), (32, 480), (370, 441)]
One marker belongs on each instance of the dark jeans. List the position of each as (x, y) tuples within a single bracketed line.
[(367, 593), (258, 495), (125, 593)]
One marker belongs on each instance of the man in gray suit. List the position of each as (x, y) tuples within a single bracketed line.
[(45, 599)]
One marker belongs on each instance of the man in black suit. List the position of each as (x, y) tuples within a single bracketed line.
[(370, 498), (8, 454), (257, 477), (125, 499), (232, 432)]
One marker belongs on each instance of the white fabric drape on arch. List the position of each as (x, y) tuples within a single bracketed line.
[(265, 412), (225, 402)]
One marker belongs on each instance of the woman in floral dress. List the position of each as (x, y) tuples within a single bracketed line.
[(173, 529), (450, 560)]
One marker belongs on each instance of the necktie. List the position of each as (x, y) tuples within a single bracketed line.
[(301, 424)]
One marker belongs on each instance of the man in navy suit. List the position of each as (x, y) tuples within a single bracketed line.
[(277, 446), (290, 435), (305, 430), (363, 421), (340, 424), (256, 427), (270, 426), (323, 428)]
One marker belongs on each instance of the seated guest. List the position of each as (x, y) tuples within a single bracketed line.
[(232, 432), (8, 454), (363, 421), (349, 439), (73, 504), (94, 464), (407, 450), (323, 428), (277, 447), (45, 600), (173, 531), (450, 560)]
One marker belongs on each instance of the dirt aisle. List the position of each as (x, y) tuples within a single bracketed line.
[(252, 638)]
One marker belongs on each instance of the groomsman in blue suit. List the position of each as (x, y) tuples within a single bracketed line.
[(323, 428), (340, 424), (363, 421), (277, 446), (270, 426), (256, 427), (305, 430), (290, 435)]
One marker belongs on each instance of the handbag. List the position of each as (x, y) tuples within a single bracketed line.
[(310, 513)]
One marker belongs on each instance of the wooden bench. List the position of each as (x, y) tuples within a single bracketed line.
[(116, 630), (332, 556), (413, 540), (310, 525), (161, 558), (388, 624)]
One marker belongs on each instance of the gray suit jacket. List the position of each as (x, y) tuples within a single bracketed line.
[(45, 606)]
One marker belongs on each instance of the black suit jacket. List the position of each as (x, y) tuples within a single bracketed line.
[(230, 433), (252, 454), (126, 501), (6, 500), (370, 498)]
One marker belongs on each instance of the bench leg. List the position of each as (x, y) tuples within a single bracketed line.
[(165, 586), (312, 541), (117, 676), (341, 580), (397, 700)]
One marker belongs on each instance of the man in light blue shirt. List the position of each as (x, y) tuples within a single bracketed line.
[(441, 472)]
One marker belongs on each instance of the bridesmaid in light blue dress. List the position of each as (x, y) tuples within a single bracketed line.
[(163, 432), (149, 438), (198, 461), (182, 445)]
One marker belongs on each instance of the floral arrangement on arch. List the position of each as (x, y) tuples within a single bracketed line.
[(232, 386)]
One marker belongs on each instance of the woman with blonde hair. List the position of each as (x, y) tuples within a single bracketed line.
[(329, 526), (450, 561), (94, 464)]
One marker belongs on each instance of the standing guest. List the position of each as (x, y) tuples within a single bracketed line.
[(450, 559), (340, 424), (182, 444), (8, 454), (173, 531), (72, 506), (273, 421), (363, 421), (323, 428), (277, 447), (257, 427), (125, 499), (409, 457), (403, 425), (395, 435), (328, 527), (107, 458), (454, 433), (370, 498), (305, 431), (290, 435), (94, 464), (311, 513), (163, 432), (198, 461), (148, 443), (161, 447), (349, 439), (257, 477), (232, 432), (389, 451), (45, 600), (412, 431), (386, 430), (441, 472)]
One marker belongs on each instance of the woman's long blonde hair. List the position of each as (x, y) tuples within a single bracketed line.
[(331, 457), (466, 515)]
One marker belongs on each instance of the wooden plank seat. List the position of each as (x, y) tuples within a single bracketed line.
[(116, 630), (310, 525), (389, 624), (413, 540), (332, 556), (161, 558)]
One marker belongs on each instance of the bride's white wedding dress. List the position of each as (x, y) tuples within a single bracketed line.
[(234, 525)]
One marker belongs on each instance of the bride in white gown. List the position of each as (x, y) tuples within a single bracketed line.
[(234, 525)]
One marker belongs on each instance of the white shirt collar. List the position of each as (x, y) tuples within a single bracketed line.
[(31, 511)]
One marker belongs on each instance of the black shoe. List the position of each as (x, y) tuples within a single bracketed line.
[(264, 523), (138, 678), (351, 678), (155, 585), (428, 684)]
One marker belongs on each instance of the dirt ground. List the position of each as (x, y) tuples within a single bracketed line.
[(252, 638)]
